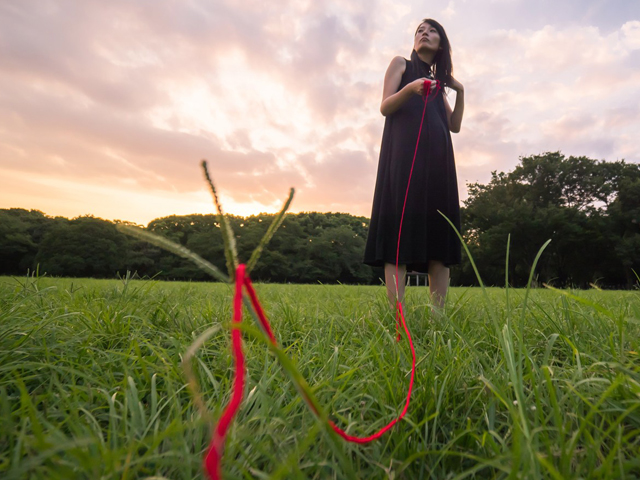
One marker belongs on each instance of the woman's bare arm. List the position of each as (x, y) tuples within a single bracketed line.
[(392, 98), (454, 117)]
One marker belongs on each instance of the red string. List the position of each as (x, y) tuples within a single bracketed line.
[(212, 460), (258, 308), (426, 87), (214, 455)]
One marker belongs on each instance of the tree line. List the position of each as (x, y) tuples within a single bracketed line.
[(589, 209), (308, 247)]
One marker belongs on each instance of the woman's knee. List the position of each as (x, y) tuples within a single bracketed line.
[(436, 267)]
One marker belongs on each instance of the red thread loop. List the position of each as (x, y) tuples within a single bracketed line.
[(212, 460), (214, 455)]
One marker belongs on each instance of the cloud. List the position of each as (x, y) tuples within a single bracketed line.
[(450, 11), (116, 95), (631, 34), (545, 90)]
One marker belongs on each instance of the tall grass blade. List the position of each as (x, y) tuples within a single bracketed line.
[(506, 276), (473, 263), (597, 307), (277, 221), (531, 273), (194, 385), (176, 248), (229, 238), (305, 391)]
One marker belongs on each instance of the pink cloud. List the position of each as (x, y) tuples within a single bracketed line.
[(283, 94)]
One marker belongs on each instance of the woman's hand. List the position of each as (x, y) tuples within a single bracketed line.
[(417, 87), (456, 85), (454, 117), (392, 98)]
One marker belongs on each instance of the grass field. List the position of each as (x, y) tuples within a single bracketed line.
[(91, 383)]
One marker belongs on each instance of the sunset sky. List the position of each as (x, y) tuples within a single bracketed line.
[(107, 107)]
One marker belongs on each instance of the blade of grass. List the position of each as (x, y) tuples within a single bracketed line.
[(176, 248), (230, 250), (194, 385), (506, 276), (277, 221)]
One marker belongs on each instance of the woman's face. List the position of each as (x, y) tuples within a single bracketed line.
[(427, 37)]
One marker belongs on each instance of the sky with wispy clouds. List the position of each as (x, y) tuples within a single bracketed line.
[(107, 107)]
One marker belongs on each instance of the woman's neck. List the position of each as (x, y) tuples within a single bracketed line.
[(427, 57)]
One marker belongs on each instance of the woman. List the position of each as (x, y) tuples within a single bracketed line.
[(428, 243)]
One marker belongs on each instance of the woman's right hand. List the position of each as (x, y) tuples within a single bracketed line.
[(392, 98), (417, 87)]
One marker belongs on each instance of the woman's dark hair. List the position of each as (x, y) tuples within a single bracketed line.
[(442, 64)]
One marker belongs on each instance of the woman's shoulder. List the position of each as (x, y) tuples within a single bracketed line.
[(400, 61), (399, 64)]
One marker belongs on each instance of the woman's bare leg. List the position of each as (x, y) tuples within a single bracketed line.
[(438, 282), (395, 289)]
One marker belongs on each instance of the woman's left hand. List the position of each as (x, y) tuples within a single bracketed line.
[(456, 85)]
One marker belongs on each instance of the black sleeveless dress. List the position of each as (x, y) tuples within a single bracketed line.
[(426, 235)]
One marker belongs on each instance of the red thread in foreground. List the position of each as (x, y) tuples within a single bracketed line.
[(214, 455)]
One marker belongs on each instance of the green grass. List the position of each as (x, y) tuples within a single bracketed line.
[(91, 382)]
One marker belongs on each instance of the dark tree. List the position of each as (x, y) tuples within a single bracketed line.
[(576, 202), (589, 209), (624, 213), (21, 232), (83, 247)]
